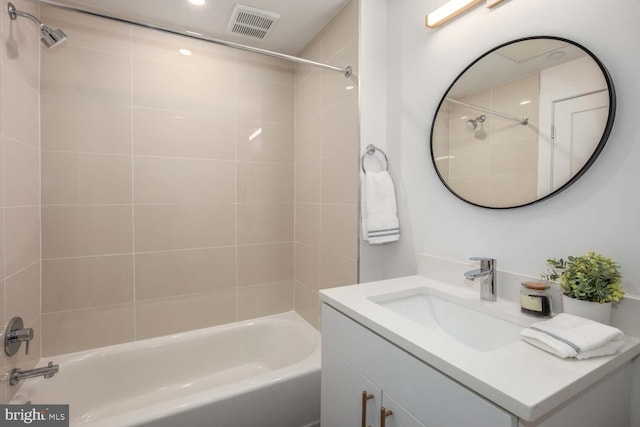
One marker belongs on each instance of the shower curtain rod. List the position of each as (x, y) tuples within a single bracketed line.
[(523, 121), (346, 71)]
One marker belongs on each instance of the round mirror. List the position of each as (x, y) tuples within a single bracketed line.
[(522, 122)]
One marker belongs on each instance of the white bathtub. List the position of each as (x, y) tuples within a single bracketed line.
[(264, 372)]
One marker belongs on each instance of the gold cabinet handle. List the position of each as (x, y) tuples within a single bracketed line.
[(384, 413), (365, 396)]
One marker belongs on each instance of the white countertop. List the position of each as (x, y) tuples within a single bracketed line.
[(522, 379)]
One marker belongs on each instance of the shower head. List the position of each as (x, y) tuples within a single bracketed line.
[(49, 37), (472, 124)]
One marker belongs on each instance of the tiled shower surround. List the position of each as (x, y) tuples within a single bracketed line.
[(181, 192)]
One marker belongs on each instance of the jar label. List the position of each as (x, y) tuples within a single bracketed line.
[(533, 303)]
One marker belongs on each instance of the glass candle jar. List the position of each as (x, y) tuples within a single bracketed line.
[(535, 299)]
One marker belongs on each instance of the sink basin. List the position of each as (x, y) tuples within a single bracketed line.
[(468, 325)]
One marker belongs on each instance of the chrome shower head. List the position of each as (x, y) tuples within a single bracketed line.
[(49, 37), (472, 124)]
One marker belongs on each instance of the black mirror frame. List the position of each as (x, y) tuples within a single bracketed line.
[(587, 165)]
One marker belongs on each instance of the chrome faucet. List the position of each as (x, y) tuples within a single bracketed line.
[(17, 375), (487, 275)]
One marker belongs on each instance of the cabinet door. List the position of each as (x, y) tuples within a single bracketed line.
[(399, 416), (342, 387)]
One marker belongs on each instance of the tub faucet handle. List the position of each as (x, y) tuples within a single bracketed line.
[(26, 335), (15, 334)]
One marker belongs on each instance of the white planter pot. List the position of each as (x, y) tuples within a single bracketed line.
[(590, 310)]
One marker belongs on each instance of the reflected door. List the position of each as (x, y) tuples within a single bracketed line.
[(577, 124)]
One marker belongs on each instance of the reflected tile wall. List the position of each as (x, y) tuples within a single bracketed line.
[(326, 166), (500, 169), (20, 181), (167, 185)]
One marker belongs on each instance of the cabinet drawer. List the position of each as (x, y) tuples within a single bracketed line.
[(430, 396)]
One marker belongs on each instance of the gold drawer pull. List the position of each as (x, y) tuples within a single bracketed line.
[(365, 396), (384, 413)]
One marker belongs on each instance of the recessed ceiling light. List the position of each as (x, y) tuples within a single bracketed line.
[(185, 52), (556, 55), (349, 87), (525, 102), (197, 2)]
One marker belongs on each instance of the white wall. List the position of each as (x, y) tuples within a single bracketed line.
[(600, 212), (393, 259)]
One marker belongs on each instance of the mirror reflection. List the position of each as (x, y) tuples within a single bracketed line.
[(522, 123)]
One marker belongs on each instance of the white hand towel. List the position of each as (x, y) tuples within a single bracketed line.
[(572, 336), (379, 213)]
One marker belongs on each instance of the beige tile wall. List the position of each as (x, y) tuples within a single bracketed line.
[(326, 166), (19, 183), (159, 213), (164, 207)]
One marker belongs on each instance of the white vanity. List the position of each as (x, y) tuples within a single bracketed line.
[(417, 351)]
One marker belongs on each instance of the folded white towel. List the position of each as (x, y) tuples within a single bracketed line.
[(379, 213), (572, 336)]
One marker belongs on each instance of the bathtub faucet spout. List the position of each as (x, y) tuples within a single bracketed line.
[(17, 375)]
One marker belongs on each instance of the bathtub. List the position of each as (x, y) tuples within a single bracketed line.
[(263, 372)]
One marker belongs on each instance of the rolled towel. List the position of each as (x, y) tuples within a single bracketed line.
[(572, 336), (379, 213)]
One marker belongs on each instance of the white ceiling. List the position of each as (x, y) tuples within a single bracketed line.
[(300, 20), (498, 68)]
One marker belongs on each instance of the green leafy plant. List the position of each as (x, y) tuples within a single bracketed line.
[(589, 277)]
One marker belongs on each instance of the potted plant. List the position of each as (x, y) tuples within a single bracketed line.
[(590, 284)]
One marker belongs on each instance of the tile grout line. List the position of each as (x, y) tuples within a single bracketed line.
[(41, 335), (295, 183), (164, 251), (4, 228), (209, 115), (133, 210), (321, 204), (235, 157)]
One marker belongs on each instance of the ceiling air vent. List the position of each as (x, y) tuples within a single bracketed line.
[(251, 22)]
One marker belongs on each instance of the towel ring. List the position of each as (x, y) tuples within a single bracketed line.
[(370, 150)]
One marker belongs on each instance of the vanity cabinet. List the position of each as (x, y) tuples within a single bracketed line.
[(354, 359)]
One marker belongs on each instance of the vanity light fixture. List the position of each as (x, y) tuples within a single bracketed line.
[(448, 11)]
